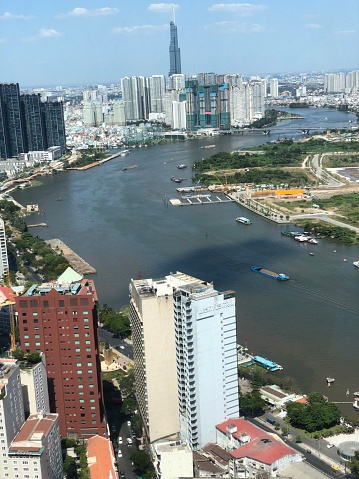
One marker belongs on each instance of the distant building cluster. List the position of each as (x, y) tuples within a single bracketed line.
[(27, 123), (341, 82)]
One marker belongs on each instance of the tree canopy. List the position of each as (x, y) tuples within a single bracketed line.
[(252, 404), (315, 415)]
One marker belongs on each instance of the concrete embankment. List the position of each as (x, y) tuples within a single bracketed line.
[(76, 262)]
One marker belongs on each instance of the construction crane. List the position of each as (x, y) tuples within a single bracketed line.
[(10, 303)]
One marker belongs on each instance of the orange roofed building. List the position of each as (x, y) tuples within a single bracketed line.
[(101, 459)]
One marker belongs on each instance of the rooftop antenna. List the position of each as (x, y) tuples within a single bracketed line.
[(173, 13)]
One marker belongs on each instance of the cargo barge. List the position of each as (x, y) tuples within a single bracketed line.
[(270, 274)]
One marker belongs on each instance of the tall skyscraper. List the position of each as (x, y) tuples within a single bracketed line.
[(60, 320), (136, 97), (12, 128), (175, 52), (4, 262), (273, 88), (34, 122), (185, 354), (27, 124), (157, 87), (54, 124)]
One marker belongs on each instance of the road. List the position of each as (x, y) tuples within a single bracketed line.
[(124, 462), (326, 218), (323, 176), (120, 345), (319, 457)]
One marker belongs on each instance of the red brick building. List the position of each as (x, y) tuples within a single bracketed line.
[(60, 319)]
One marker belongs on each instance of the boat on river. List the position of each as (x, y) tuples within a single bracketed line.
[(312, 241), (176, 180), (330, 380), (270, 274), (301, 238), (244, 220), (182, 166), (356, 264)]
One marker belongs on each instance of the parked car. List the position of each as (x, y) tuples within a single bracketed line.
[(330, 445), (335, 467), (308, 451), (120, 440), (129, 441), (119, 453), (129, 423)]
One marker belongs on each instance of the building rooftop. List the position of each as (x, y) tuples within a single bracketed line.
[(30, 437), (100, 458), (7, 367), (262, 447), (64, 285)]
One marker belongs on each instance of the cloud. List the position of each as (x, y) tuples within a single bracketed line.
[(43, 33), (140, 29), (163, 7), (80, 12), (2, 40), (236, 27), (313, 25), (241, 8), (345, 32), (14, 16)]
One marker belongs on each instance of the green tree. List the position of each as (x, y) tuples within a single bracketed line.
[(353, 465), (18, 354), (127, 383), (69, 467), (298, 438), (252, 404), (129, 406), (142, 462)]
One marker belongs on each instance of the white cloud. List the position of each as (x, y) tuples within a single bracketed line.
[(163, 7), (241, 8), (236, 27), (145, 29), (14, 16), (80, 12), (345, 32), (43, 33), (313, 25)]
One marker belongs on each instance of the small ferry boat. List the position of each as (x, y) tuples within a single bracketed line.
[(244, 220), (356, 264), (330, 380), (301, 238), (125, 152), (182, 166), (270, 274), (312, 241), (176, 180)]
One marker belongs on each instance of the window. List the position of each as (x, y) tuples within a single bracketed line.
[(88, 342), (86, 320), (78, 365), (35, 313), (77, 350), (89, 364), (77, 342), (79, 371)]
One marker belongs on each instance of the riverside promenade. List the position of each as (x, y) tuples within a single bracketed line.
[(76, 262)]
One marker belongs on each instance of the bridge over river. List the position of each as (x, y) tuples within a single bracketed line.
[(267, 130)]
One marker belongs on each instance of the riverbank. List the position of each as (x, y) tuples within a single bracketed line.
[(77, 263)]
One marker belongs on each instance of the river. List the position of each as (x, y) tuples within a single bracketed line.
[(118, 222)]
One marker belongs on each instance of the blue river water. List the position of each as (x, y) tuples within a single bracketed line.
[(121, 223)]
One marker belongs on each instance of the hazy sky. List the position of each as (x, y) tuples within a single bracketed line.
[(49, 42)]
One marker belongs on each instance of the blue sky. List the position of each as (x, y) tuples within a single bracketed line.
[(48, 42)]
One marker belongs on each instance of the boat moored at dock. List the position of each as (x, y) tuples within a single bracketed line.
[(270, 274), (244, 220)]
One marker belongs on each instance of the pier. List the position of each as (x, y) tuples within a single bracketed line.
[(97, 163), (199, 200), (76, 262), (37, 224)]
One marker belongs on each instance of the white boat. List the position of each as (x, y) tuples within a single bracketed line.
[(356, 264), (356, 405), (244, 220), (312, 241), (301, 238), (330, 380)]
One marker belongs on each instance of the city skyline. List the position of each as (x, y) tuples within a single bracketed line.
[(111, 39)]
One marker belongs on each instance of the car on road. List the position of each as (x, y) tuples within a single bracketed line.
[(119, 453), (120, 440), (129, 441), (335, 467), (308, 451), (122, 347), (129, 423), (330, 445)]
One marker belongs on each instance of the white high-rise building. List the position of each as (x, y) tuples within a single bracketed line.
[(206, 346), (185, 354), (12, 415), (273, 88), (179, 115), (135, 95), (4, 262), (176, 82), (170, 97), (157, 87), (119, 117), (88, 113), (34, 387), (35, 453)]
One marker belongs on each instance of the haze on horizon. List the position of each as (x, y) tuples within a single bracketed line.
[(93, 41)]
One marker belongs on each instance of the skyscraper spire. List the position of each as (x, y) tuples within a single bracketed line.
[(175, 53)]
